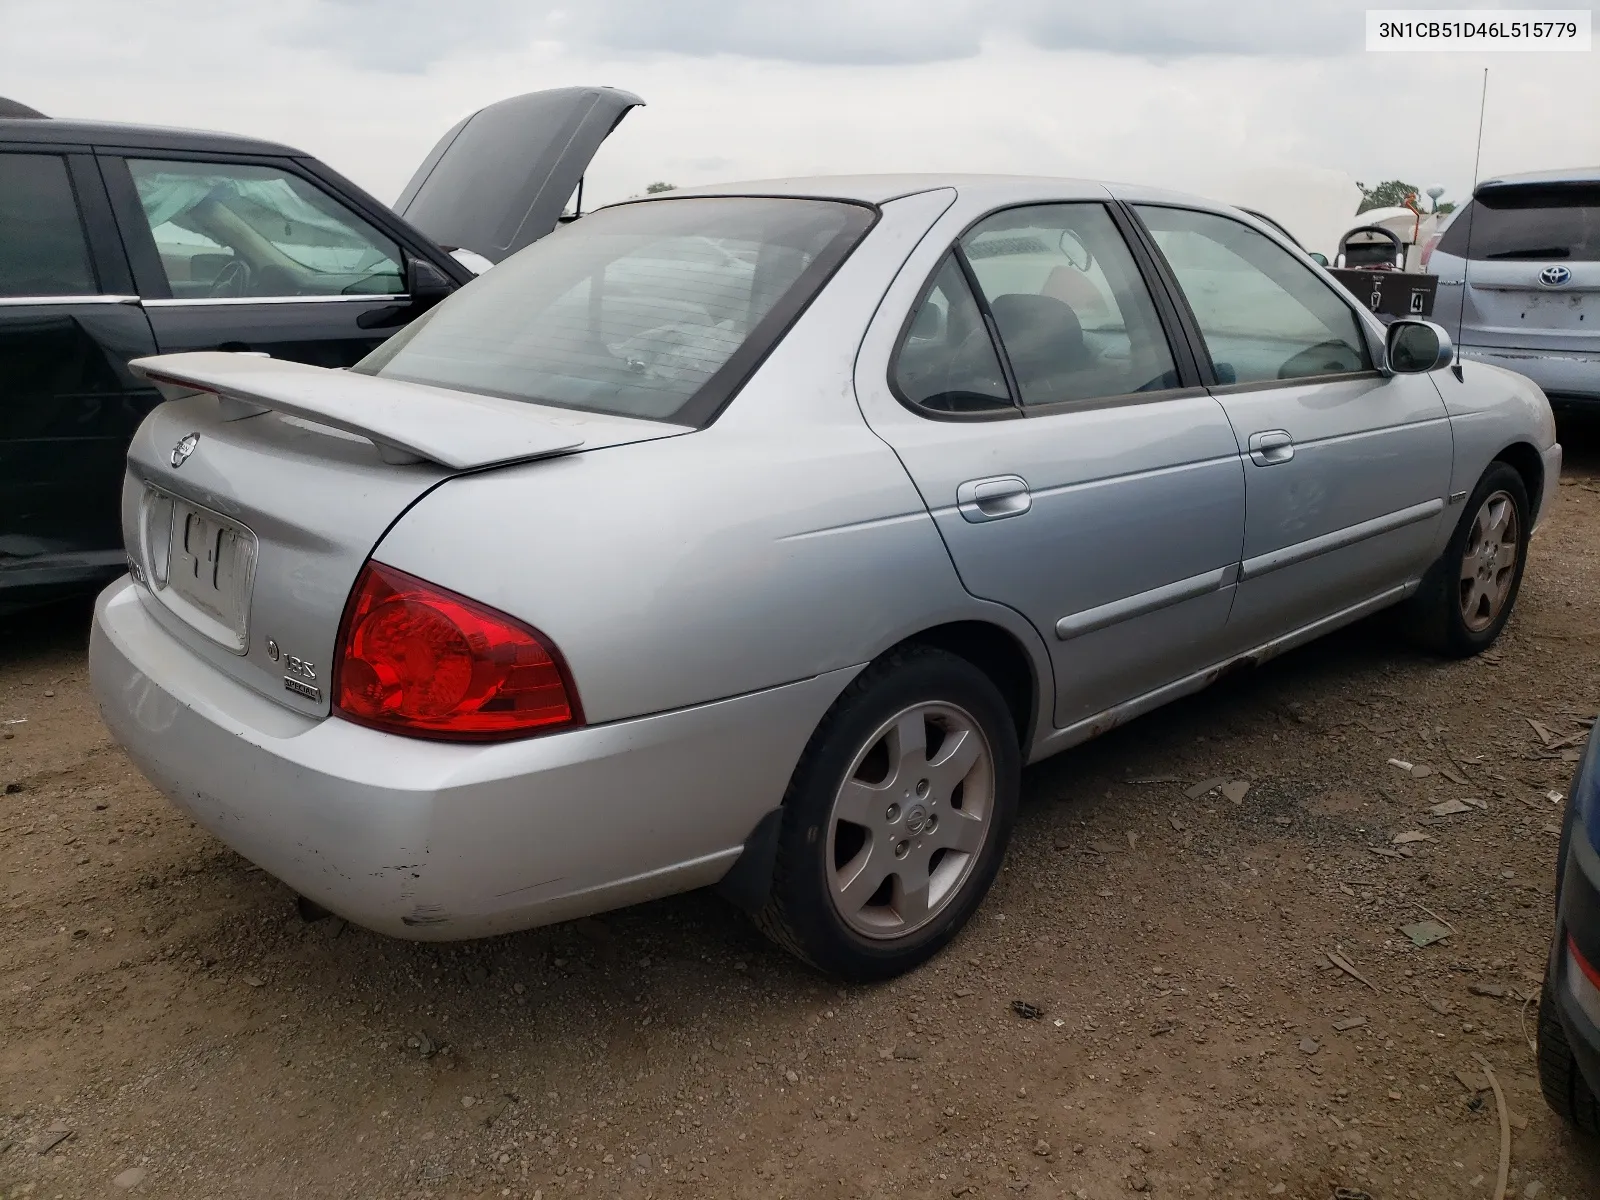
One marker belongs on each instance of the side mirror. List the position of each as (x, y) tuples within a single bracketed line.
[(1414, 347), (1318, 257), (427, 283)]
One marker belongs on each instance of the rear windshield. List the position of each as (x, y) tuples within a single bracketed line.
[(656, 310), (1513, 223)]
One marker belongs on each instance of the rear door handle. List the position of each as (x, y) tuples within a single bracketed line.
[(1271, 447), (993, 498)]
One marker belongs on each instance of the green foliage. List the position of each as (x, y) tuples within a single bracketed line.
[(1392, 193), (658, 186)]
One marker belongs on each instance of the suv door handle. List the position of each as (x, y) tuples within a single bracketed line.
[(993, 498), (1270, 447)]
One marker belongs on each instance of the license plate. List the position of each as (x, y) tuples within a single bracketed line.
[(209, 565)]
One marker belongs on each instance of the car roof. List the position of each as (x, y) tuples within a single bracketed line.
[(878, 189), (1566, 175), (56, 132)]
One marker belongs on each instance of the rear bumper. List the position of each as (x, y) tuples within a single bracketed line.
[(1578, 916), (441, 841), (1564, 375)]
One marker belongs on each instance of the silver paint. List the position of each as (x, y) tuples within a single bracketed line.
[(714, 591)]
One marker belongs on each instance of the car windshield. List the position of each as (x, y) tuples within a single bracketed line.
[(1529, 222), (655, 310)]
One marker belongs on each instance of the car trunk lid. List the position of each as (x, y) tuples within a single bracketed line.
[(502, 176), (255, 494), (1529, 252)]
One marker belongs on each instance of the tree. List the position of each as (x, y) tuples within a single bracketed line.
[(1392, 193), (658, 186)]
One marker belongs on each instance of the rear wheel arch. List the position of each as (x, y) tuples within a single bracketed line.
[(999, 655), (1528, 463)]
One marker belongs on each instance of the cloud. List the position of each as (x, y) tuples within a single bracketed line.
[(412, 35), (369, 93)]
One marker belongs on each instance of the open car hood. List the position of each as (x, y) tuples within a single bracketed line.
[(500, 179)]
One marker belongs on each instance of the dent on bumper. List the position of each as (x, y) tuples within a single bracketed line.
[(1570, 375), (436, 840)]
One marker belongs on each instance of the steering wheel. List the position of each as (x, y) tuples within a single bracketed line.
[(233, 280)]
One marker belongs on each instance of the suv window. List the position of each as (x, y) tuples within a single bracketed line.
[(42, 248), (1264, 314), (946, 361), (1074, 316), (234, 230), (1533, 223)]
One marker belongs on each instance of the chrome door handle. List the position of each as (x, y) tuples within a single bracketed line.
[(1270, 447), (993, 498)]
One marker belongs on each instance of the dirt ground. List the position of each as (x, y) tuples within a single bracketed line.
[(163, 1006)]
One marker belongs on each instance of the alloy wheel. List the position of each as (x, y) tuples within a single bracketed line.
[(1489, 561), (910, 820)]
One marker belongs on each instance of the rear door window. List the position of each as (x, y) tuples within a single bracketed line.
[(240, 231), (1073, 313), (946, 362), (1509, 224), (42, 247), (654, 309)]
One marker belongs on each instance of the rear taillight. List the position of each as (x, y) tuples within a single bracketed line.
[(1427, 250), (414, 658)]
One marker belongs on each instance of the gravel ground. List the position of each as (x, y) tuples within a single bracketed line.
[(162, 1006)]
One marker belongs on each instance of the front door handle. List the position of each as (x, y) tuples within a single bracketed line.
[(993, 498), (1271, 447)]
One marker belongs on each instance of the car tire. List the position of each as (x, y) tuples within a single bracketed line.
[(1563, 1084), (896, 819), (1467, 596)]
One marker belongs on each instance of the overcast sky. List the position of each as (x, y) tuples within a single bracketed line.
[(1197, 94)]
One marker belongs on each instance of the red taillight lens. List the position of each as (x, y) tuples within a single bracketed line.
[(1427, 250), (415, 658)]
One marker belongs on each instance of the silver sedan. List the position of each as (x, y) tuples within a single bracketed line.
[(758, 536)]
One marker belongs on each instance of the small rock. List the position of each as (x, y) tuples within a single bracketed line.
[(1277, 1189), (1349, 1023), (519, 988), (962, 993), (477, 974), (1309, 1046), (1411, 835), (129, 1179), (58, 1132), (1421, 771), (641, 1162), (1042, 1148), (1533, 1189), (791, 1077), (49, 695), (908, 1053), (1138, 1182), (1497, 991), (467, 1102), (253, 981)]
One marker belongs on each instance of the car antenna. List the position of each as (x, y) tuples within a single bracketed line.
[(1472, 205)]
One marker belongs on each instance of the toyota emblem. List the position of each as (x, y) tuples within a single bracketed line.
[(1556, 276), (184, 448)]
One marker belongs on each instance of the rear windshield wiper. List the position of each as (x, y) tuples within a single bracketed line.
[(1534, 252)]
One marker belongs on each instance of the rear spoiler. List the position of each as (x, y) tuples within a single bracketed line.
[(407, 422)]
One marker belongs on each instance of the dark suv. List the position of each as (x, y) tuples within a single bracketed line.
[(118, 241)]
